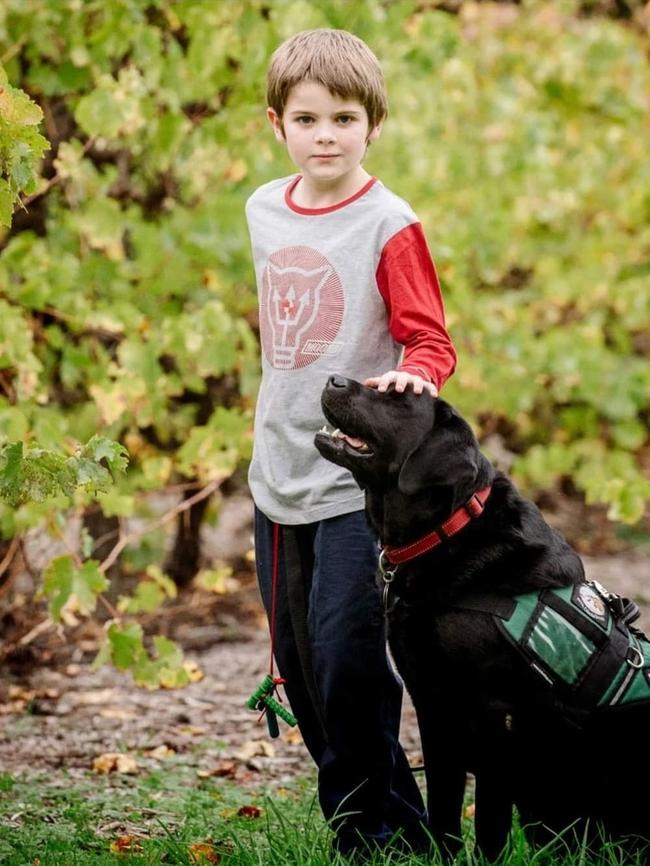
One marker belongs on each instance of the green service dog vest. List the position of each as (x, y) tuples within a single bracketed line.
[(579, 640)]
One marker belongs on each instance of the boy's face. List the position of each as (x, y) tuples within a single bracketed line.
[(326, 136)]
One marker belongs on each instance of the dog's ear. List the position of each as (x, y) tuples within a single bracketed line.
[(448, 456)]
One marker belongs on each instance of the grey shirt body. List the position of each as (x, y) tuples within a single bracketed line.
[(321, 313)]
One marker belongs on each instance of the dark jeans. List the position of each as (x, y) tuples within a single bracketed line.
[(330, 647)]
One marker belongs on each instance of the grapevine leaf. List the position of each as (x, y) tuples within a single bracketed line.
[(77, 587), (116, 456)]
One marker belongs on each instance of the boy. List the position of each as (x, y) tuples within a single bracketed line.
[(346, 283)]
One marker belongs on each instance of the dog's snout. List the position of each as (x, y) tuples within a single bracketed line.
[(338, 382)]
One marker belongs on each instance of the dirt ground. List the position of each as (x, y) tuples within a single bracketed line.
[(59, 719)]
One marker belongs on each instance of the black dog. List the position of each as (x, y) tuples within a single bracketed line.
[(568, 752)]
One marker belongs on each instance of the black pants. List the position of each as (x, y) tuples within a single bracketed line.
[(330, 647)]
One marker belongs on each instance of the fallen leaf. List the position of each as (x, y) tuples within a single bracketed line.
[(203, 852), (116, 713), (223, 769), (192, 730), (249, 812), (18, 693), (126, 845), (193, 671), (51, 694), (254, 748), (292, 736), (161, 752), (115, 762), (12, 707), (97, 696)]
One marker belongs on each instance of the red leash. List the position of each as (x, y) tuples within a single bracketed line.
[(277, 681), (264, 696), (274, 593)]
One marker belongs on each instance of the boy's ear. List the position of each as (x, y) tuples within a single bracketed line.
[(375, 132), (276, 122)]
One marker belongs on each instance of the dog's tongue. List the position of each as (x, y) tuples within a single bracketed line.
[(354, 443)]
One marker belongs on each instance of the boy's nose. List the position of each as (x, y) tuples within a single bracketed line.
[(325, 133)]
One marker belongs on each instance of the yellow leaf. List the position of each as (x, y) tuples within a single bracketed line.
[(255, 748), (292, 736), (115, 762), (116, 713), (111, 404), (160, 752), (193, 671), (202, 852), (218, 580), (192, 730)]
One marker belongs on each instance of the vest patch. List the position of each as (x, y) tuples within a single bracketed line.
[(591, 602)]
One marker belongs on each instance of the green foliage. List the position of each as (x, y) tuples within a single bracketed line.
[(518, 136), (125, 648), (71, 585), (516, 133), (21, 146), (38, 474), (127, 299)]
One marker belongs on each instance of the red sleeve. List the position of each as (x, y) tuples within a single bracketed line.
[(408, 283)]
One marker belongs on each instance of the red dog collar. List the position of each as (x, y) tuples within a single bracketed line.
[(458, 520)]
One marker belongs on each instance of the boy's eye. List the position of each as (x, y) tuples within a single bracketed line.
[(345, 119), (304, 119)]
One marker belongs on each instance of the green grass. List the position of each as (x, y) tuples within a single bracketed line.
[(72, 821)]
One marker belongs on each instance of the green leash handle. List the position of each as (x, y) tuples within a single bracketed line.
[(279, 710), (266, 687), (262, 699)]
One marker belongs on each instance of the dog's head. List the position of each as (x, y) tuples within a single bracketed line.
[(402, 446)]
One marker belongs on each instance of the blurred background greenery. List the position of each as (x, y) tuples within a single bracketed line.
[(519, 132)]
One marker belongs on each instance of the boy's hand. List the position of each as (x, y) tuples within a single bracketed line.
[(402, 380)]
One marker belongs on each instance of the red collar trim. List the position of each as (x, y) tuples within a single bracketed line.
[(458, 520), (319, 211)]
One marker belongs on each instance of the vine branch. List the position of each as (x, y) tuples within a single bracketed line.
[(208, 490)]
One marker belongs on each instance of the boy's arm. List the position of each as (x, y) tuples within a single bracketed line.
[(408, 283)]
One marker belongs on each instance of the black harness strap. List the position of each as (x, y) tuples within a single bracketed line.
[(603, 669)]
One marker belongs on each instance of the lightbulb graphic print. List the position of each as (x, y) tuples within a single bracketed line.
[(301, 307)]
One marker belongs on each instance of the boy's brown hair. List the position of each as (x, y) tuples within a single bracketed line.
[(338, 60)]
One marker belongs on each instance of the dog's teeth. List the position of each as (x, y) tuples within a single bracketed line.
[(337, 433)]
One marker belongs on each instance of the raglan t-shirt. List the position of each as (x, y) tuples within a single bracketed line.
[(348, 289)]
